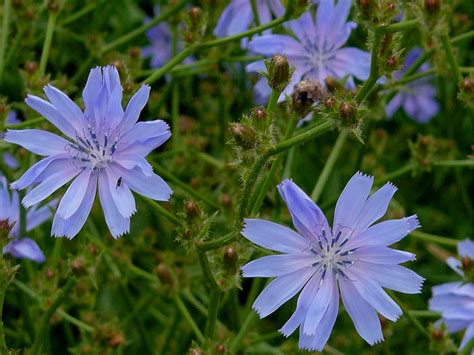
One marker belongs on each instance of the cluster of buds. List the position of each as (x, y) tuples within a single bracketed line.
[(196, 23), (377, 12)]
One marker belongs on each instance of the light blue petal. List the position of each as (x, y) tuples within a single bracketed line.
[(455, 265), (374, 294), (92, 89), (130, 161), (320, 303), (66, 107), (49, 185), (36, 217), (362, 314), (134, 108), (308, 218), (277, 265), (383, 255), (24, 248), (74, 195), (118, 224), (280, 290), (466, 249), (152, 186), (274, 236), (353, 61), (10, 161), (37, 141), (143, 131), (120, 193), (71, 226), (48, 111), (393, 277), (270, 45), (114, 111), (375, 207), (468, 335), (394, 105), (351, 201)]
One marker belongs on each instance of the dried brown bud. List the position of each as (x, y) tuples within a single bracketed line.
[(164, 274), (49, 274), (244, 135), (220, 348), (5, 228), (305, 94), (432, 6), (332, 84), (116, 339), (390, 6), (31, 67), (329, 102), (348, 113), (195, 15), (226, 200), (392, 62), (278, 72), (467, 263), (78, 267), (467, 85), (230, 257), (192, 209), (134, 52), (438, 334), (258, 113), (365, 7)]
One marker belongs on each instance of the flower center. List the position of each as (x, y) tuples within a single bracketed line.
[(332, 254), (93, 151)]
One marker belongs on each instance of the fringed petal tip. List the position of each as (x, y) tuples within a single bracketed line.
[(413, 223), (362, 175)]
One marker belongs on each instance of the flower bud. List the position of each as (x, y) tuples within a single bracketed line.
[(305, 94), (432, 6), (332, 84), (348, 113), (278, 72), (164, 274), (115, 339), (230, 257), (244, 135), (329, 102), (392, 62), (195, 15), (78, 267), (467, 85), (192, 209), (31, 67), (258, 113), (365, 7), (5, 228)]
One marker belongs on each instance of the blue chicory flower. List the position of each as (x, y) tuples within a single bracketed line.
[(455, 301), (104, 149), (8, 158), (418, 98), (21, 246), (238, 16), (315, 50), (352, 258), (465, 250)]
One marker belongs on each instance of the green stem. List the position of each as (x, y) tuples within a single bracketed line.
[(454, 163), (26, 123), (450, 56), (184, 311), (271, 106), (82, 12), (216, 42), (40, 335), (435, 238), (47, 41), (175, 113), (162, 211), (407, 79), (3, 289), (255, 12), (374, 70), (4, 38), (407, 313), (218, 243), (276, 163), (393, 175), (397, 27), (142, 29), (329, 165), (250, 183), (424, 314), (237, 341)]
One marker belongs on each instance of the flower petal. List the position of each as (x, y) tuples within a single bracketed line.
[(24, 248), (276, 265), (121, 194), (71, 226), (273, 236), (48, 111), (66, 108), (352, 200), (308, 218), (134, 108), (277, 44), (49, 185), (383, 255), (118, 224), (320, 303), (362, 314), (143, 131), (36, 217), (280, 290), (74, 195), (152, 186), (37, 141), (92, 89), (468, 335), (466, 249)]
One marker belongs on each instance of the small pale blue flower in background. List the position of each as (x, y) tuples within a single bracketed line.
[(315, 50), (465, 250), (455, 301), (418, 98), (8, 158), (21, 246), (352, 258), (238, 16), (104, 149)]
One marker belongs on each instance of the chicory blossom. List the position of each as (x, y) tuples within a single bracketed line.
[(8, 158), (352, 258), (315, 50), (455, 301), (465, 250), (104, 149), (238, 16), (21, 246), (418, 98)]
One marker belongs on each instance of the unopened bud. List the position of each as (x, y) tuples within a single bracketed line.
[(230, 258), (49, 274), (5, 228), (134, 52), (258, 113), (220, 348), (467, 85), (348, 113), (116, 339), (278, 72), (432, 6), (244, 135), (192, 209), (467, 263), (305, 94), (78, 267), (31, 67), (390, 7), (392, 62), (332, 84), (329, 102), (438, 334), (365, 7), (164, 274), (226, 200), (195, 15)]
